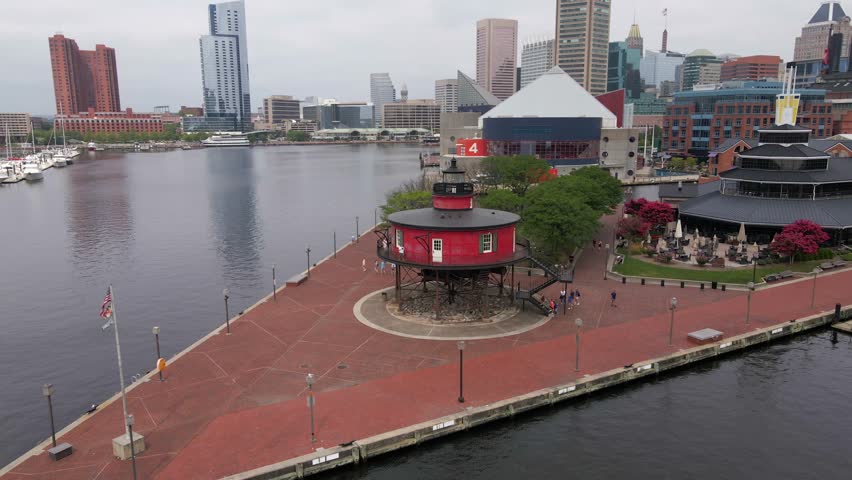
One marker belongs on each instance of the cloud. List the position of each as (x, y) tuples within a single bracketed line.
[(329, 47)]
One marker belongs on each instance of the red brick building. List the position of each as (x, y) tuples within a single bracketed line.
[(722, 159), (112, 122), (755, 67), (699, 121), (83, 79)]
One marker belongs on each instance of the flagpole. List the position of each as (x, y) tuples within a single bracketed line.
[(118, 353)]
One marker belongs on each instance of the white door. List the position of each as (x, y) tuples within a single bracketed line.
[(437, 250)]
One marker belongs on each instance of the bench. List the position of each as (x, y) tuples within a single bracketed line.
[(826, 265), (705, 335), (60, 451), (786, 274), (839, 263), (296, 280)]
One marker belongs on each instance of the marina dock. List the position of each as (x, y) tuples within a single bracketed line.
[(233, 406)]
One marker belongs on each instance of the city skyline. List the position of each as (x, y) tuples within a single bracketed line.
[(149, 78)]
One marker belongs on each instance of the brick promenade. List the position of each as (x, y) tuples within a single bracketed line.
[(236, 402)]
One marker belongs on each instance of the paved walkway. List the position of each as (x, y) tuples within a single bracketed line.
[(235, 402)]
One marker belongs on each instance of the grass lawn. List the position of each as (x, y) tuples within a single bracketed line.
[(638, 268)]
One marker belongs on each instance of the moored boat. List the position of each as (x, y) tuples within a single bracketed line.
[(227, 139)]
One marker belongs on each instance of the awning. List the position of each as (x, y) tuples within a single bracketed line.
[(712, 155)]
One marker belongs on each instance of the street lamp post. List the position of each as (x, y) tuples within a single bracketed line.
[(813, 289), (227, 293), (310, 379), (156, 332), (274, 285), (461, 346), (129, 421), (357, 230), (47, 391), (308, 252), (673, 307), (579, 323), (753, 270), (748, 302)]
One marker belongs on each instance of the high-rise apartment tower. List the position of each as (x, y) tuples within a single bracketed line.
[(224, 67), (83, 79)]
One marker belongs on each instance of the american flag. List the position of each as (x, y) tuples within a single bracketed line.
[(106, 306)]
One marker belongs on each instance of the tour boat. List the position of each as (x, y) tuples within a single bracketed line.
[(32, 172), (227, 139)]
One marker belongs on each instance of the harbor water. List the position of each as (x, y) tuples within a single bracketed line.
[(169, 231)]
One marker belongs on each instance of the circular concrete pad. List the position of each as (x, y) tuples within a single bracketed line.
[(372, 311)]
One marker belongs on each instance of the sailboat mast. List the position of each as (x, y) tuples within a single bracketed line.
[(32, 131)]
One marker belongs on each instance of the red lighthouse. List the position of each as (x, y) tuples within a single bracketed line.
[(451, 250)]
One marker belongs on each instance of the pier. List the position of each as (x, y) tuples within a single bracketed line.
[(234, 406)]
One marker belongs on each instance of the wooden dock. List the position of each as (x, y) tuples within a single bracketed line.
[(845, 327)]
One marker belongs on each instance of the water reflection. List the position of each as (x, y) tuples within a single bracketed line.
[(99, 218), (233, 210)]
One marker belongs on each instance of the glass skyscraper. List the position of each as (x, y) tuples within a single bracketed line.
[(224, 69), (381, 92)]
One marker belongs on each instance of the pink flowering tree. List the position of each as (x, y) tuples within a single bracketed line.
[(657, 214), (632, 207), (801, 236), (632, 228)]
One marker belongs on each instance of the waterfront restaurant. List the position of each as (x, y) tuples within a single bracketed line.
[(776, 183)]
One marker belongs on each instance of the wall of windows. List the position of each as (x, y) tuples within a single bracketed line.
[(782, 164)]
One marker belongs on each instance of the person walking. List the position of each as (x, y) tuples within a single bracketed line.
[(364, 264), (577, 297), (570, 300), (612, 298), (376, 266), (562, 295), (382, 267)]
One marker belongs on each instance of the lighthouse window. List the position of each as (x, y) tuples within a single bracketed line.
[(486, 243), (399, 238)]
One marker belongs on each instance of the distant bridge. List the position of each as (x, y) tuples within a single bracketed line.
[(660, 180)]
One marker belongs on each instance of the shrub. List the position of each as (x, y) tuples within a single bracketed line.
[(649, 252), (665, 258), (702, 260)]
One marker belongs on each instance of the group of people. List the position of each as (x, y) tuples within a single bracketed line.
[(379, 266), (567, 299)]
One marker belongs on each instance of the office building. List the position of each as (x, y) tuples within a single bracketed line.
[(700, 68), (112, 122), (225, 70), (754, 67), (496, 53), (473, 97), (83, 79), (582, 41), (424, 114), (447, 94), (810, 46), (333, 114), (278, 108), (698, 121), (17, 124), (536, 60), (655, 68), (624, 62), (382, 91)]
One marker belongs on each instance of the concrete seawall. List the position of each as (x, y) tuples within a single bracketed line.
[(361, 450)]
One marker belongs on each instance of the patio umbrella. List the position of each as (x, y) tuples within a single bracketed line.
[(678, 233), (741, 236)]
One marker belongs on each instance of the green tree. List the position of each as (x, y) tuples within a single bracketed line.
[(502, 200), (601, 191), (406, 200), (556, 220), (296, 136), (517, 173)]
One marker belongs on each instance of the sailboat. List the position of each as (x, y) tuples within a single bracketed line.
[(67, 153), (10, 169)]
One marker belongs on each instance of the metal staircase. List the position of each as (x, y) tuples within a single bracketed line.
[(550, 277)]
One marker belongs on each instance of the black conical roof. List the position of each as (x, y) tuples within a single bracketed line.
[(821, 14)]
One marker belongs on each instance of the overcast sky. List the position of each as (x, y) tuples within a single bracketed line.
[(328, 48)]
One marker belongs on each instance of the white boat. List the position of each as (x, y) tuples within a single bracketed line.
[(227, 139), (32, 172), (59, 160), (11, 172), (91, 146)]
